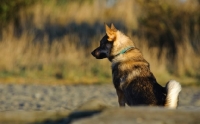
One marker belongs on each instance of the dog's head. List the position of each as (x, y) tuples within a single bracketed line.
[(103, 51), (106, 43), (111, 44)]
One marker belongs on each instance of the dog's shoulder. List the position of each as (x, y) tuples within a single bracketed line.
[(127, 70)]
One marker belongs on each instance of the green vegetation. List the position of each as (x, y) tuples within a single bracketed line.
[(9, 9), (51, 41)]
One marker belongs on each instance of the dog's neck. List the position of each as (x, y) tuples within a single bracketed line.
[(121, 52)]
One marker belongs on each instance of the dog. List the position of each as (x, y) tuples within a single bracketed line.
[(133, 80)]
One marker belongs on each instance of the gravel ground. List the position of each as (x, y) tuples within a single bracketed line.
[(41, 97)]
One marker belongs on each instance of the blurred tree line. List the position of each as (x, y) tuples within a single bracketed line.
[(169, 24), (9, 9), (174, 28), (164, 23)]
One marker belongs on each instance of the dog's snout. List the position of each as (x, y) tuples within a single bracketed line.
[(95, 53), (99, 53)]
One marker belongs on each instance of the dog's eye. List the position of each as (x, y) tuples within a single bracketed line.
[(108, 45)]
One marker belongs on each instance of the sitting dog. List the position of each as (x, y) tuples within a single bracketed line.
[(135, 84)]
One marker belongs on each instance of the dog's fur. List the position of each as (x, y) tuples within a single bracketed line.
[(134, 82)]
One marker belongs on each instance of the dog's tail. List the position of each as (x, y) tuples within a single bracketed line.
[(173, 89)]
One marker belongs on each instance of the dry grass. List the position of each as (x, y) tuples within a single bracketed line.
[(52, 43), (25, 61)]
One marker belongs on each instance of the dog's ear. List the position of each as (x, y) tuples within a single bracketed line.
[(113, 27), (111, 33)]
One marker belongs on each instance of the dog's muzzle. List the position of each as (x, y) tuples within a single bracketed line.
[(95, 53), (98, 54)]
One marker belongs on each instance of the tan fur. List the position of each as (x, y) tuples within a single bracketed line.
[(111, 33), (118, 38)]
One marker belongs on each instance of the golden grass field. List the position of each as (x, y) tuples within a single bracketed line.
[(50, 42)]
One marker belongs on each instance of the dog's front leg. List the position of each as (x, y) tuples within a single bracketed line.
[(121, 98)]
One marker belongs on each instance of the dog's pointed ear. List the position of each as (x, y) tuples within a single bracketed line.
[(108, 29), (113, 27), (110, 33)]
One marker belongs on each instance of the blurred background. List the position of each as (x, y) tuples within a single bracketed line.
[(50, 41)]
